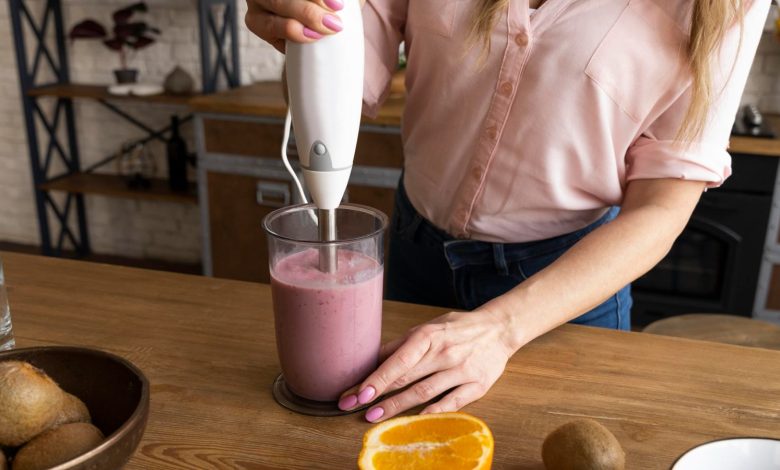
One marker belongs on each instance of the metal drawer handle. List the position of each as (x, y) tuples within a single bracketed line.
[(273, 194)]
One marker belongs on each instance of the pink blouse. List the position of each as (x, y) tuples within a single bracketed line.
[(569, 105)]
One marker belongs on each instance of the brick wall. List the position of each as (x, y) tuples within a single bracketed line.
[(127, 227), (763, 86), (166, 230)]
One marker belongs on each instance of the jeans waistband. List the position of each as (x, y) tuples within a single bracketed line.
[(460, 252)]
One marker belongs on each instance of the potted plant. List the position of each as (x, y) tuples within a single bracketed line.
[(127, 37)]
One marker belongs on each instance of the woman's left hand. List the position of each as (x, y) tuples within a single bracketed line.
[(463, 353)]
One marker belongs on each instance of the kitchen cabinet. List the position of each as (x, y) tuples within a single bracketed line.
[(242, 178), (767, 305), (713, 266), (237, 205)]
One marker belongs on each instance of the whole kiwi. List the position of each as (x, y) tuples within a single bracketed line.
[(3, 461), (583, 444), (30, 402), (57, 445), (72, 410)]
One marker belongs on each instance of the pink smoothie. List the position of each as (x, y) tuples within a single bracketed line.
[(328, 326)]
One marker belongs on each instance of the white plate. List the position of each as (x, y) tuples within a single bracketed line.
[(145, 89), (137, 89), (732, 454), (119, 89)]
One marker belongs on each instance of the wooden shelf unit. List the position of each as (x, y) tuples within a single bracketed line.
[(116, 186), (98, 92)]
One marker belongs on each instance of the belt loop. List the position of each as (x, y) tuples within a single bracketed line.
[(499, 259)]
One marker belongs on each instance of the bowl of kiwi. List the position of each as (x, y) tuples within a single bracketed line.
[(69, 408)]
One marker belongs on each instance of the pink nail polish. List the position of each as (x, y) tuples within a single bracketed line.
[(332, 22), (311, 34), (374, 414), (348, 402), (334, 5), (366, 395)]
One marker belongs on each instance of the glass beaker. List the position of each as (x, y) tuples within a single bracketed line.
[(6, 331), (328, 325)]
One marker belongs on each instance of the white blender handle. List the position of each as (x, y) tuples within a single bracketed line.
[(325, 85)]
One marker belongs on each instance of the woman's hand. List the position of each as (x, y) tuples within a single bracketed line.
[(276, 21), (463, 353)]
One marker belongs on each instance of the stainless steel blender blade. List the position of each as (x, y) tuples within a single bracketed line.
[(326, 222)]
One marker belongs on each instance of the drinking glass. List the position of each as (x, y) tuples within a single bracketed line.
[(328, 324), (6, 333)]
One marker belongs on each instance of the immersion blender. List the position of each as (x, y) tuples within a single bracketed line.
[(325, 89)]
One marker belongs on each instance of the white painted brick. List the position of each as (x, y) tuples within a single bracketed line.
[(186, 52), (771, 64), (770, 103), (768, 43), (760, 84), (176, 240)]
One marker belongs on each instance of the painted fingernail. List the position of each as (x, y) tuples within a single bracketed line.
[(334, 5), (366, 395), (374, 414), (348, 402), (332, 22), (311, 34)]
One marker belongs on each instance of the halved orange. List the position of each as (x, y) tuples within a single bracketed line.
[(451, 441)]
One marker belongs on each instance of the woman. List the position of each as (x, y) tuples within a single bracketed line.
[(525, 125)]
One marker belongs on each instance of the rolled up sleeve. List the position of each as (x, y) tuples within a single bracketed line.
[(655, 154), (383, 22)]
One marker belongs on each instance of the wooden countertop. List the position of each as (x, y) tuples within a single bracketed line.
[(759, 146), (266, 99), (207, 347)]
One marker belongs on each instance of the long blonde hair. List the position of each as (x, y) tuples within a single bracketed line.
[(710, 20)]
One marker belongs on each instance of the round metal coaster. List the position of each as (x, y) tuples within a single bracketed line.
[(293, 402)]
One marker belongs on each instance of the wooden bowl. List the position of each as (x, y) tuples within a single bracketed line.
[(114, 390)]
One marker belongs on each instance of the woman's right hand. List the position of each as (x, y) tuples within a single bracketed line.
[(276, 21)]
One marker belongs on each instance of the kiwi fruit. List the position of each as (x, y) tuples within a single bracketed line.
[(57, 445), (30, 402), (583, 444), (3, 461), (72, 410)]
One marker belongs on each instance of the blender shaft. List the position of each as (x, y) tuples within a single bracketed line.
[(326, 221)]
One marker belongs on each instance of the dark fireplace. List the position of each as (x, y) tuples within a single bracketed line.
[(713, 267)]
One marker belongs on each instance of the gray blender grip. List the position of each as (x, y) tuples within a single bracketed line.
[(319, 157)]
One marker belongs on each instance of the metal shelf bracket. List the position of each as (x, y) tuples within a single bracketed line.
[(218, 30), (57, 129)]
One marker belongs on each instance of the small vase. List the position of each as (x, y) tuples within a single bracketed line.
[(179, 82), (126, 75)]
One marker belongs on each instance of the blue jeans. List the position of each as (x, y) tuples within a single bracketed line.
[(427, 266)]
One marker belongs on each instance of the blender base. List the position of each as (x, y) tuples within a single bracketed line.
[(293, 402)]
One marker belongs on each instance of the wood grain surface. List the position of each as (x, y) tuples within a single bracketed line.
[(207, 346), (759, 146), (116, 186), (98, 92), (266, 99), (729, 329)]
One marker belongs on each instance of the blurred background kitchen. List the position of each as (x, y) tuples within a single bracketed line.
[(102, 189)]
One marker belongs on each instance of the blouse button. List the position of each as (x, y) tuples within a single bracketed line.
[(521, 39), (506, 88), (492, 133)]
